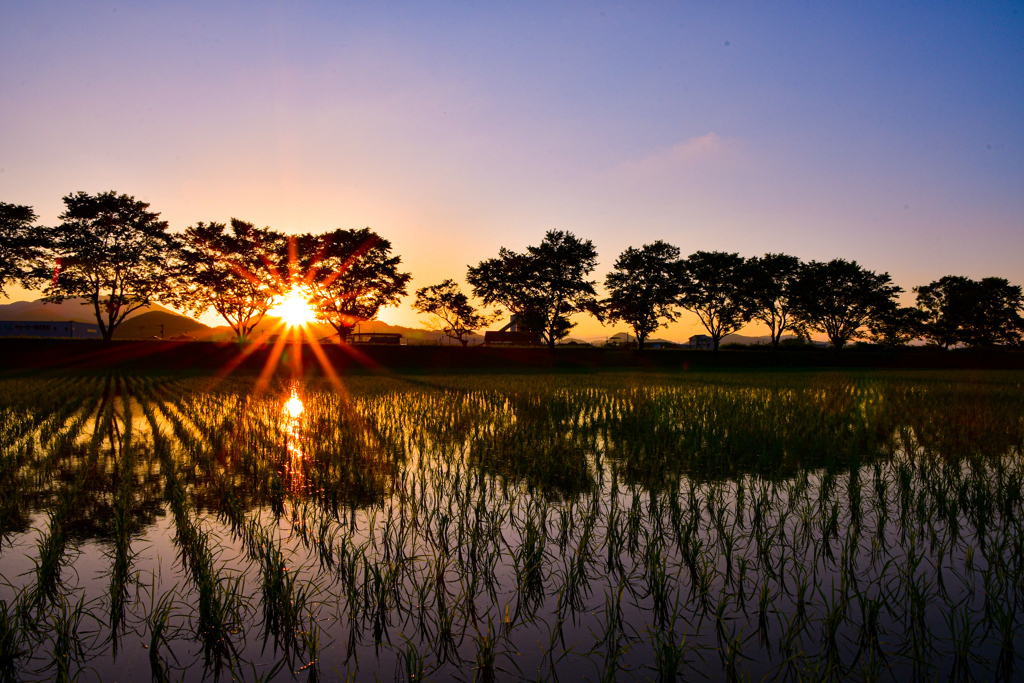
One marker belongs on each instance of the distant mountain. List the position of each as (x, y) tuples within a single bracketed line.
[(620, 337), (145, 323), (742, 339), (321, 331), (70, 309), (162, 324), (413, 335)]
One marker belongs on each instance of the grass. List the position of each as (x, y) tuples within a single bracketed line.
[(804, 526)]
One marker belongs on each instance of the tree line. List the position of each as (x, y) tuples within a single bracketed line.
[(649, 286), (111, 250)]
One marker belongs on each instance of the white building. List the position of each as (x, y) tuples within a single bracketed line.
[(38, 328)]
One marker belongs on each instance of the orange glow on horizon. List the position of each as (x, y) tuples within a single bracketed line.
[(294, 313)]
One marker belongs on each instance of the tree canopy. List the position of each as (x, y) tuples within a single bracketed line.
[(981, 313), (231, 269), (453, 313), (544, 286), (114, 252), (711, 286), (21, 246), (839, 298), (767, 284), (897, 326), (643, 288), (350, 274)]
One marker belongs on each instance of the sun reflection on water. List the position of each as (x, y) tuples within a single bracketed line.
[(294, 405), (292, 411)]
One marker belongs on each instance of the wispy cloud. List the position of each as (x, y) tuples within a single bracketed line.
[(694, 153)]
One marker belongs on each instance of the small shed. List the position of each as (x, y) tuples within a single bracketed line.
[(362, 338), (513, 334), (701, 341)]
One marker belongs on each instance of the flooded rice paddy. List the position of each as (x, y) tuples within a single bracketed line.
[(804, 526)]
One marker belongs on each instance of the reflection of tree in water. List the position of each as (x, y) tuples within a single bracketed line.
[(242, 452), (92, 455), (537, 440), (654, 438), (122, 492), (39, 418), (831, 423), (654, 435), (972, 422), (314, 447)]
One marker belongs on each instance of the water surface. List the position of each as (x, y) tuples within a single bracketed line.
[(553, 527)]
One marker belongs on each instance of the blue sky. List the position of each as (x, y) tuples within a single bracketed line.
[(889, 133)]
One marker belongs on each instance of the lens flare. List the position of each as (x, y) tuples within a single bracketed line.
[(295, 310)]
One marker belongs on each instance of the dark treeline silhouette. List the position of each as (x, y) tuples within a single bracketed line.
[(542, 287), (452, 311), (648, 286), (112, 251)]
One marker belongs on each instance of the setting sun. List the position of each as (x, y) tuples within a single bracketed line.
[(295, 310)]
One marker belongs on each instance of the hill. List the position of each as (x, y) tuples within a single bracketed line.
[(743, 339), (270, 325), (78, 310), (620, 338), (162, 324)]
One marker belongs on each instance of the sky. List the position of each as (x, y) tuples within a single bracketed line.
[(890, 133)]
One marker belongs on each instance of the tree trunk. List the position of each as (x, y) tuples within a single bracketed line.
[(343, 332)]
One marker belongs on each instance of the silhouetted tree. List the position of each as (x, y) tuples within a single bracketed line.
[(21, 246), (643, 288), (767, 283), (898, 327), (231, 270), (839, 298), (981, 313), (114, 252), (711, 285), (453, 312), (544, 286), (350, 274)]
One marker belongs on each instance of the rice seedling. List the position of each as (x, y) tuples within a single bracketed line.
[(670, 654), (71, 639), (52, 556), (802, 525), (158, 622), (13, 646), (413, 662)]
